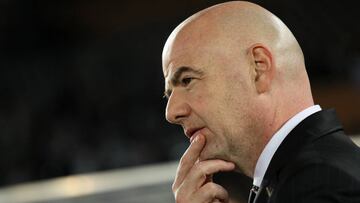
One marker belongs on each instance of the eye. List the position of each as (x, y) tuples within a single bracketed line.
[(186, 81)]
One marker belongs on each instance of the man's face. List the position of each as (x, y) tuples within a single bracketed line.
[(209, 91)]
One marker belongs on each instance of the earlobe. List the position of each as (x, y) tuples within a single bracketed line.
[(264, 68)]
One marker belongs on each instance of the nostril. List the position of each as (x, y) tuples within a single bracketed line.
[(176, 115), (179, 117), (177, 108), (170, 116)]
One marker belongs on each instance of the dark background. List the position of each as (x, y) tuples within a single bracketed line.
[(81, 82)]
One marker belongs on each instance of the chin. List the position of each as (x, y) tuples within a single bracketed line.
[(210, 156), (205, 156)]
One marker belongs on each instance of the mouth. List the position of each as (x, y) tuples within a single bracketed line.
[(190, 133)]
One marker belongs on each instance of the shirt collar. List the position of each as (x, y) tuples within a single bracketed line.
[(270, 148)]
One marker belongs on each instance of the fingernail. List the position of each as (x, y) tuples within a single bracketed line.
[(196, 139)]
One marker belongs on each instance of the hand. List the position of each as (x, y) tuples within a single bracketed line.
[(193, 181)]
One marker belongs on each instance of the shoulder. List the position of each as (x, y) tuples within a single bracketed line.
[(326, 168), (334, 152), (319, 182)]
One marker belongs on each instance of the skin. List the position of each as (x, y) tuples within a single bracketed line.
[(244, 77)]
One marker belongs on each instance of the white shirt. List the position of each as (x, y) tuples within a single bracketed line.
[(271, 147)]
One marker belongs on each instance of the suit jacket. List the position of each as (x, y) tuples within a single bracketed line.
[(316, 163)]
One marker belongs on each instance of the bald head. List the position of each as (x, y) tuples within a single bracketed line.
[(236, 26), (233, 27), (249, 78)]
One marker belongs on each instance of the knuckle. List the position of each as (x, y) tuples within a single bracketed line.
[(208, 193), (179, 197), (212, 190), (173, 187), (212, 187)]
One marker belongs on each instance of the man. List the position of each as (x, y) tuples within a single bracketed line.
[(236, 82)]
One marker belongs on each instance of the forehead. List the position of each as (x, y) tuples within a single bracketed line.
[(189, 61), (187, 43), (180, 52), (198, 55)]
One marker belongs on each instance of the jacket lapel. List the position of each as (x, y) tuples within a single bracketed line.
[(311, 128)]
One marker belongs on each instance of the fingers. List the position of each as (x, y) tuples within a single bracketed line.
[(196, 186), (202, 172), (212, 192), (188, 160), (193, 181)]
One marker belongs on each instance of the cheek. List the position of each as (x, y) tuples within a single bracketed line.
[(214, 107), (205, 104), (200, 99)]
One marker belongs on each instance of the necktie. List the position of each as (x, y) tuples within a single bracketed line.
[(254, 190)]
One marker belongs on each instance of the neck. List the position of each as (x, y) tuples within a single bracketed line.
[(275, 120)]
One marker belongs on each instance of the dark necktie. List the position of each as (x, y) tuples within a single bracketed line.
[(254, 190)]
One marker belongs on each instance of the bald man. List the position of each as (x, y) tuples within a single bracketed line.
[(236, 82)]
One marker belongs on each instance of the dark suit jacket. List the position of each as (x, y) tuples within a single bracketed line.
[(316, 163)]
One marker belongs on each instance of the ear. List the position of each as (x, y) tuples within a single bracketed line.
[(264, 68)]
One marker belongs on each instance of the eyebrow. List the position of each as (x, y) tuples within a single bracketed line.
[(175, 78)]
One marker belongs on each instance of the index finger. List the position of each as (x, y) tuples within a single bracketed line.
[(188, 159)]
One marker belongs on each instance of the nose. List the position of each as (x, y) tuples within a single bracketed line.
[(177, 108)]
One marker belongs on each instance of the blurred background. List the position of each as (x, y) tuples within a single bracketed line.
[(81, 83)]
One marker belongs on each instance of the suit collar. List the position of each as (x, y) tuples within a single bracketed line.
[(311, 128), (271, 147)]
